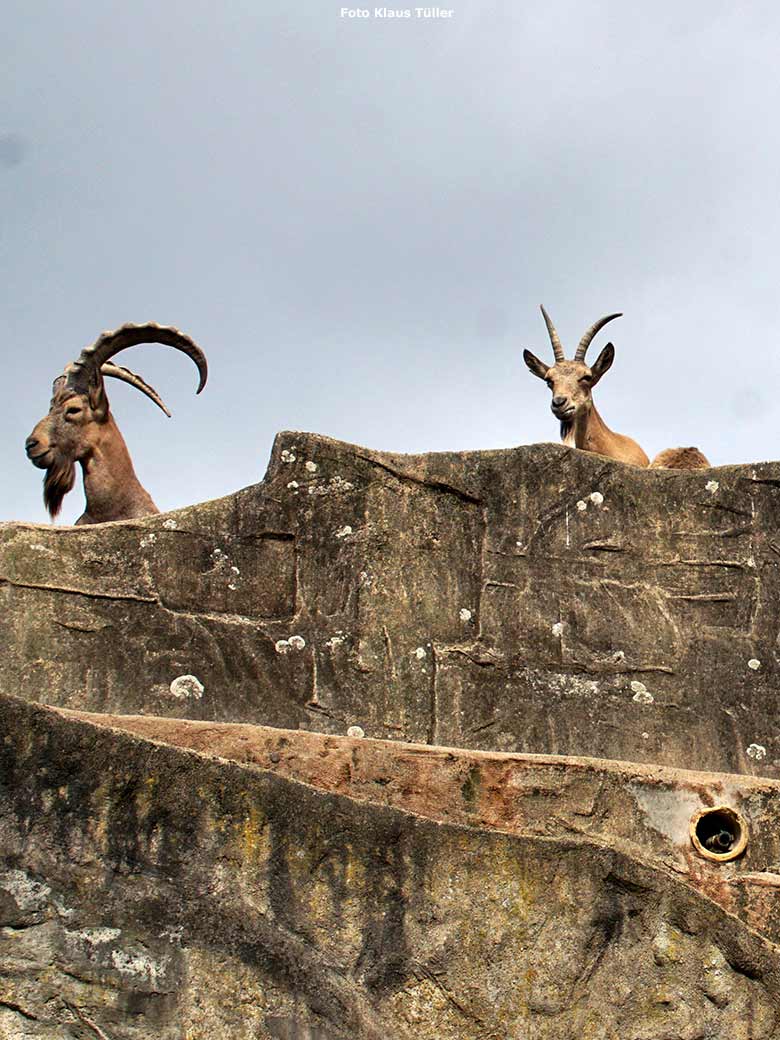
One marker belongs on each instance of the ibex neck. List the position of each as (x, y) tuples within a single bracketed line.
[(112, 489), (591, 433)]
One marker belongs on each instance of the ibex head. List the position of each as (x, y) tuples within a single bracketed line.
[(79, 425), (571, 381)]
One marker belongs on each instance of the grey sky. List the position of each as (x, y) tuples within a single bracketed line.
[(357, 221)]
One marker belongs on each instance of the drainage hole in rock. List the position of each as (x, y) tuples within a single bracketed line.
[(719, 833)]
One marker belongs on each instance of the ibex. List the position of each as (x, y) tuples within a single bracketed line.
[(582, 427), (80, 428)]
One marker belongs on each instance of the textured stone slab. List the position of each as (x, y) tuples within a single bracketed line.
[(290, 886), (537, 599)]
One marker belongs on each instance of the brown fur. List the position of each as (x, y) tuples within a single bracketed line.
[(59, 480), (79, 426), (79, 430), (680, 458), (582, 427)]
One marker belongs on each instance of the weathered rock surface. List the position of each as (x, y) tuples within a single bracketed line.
[(537, 599), (181, 860), (304, 886)]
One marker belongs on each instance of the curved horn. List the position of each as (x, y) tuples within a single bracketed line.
[(117, 372), (110, 343), (586, 339), (554, 337)]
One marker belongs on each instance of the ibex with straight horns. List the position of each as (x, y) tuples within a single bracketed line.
[(80, 427), (582, 427)]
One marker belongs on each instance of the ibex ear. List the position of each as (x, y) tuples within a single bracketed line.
[(98, 401), (535, 365), (603, 363)]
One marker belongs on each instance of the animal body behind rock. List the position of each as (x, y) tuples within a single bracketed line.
[(79, 427), (680, 458), (582, 427)]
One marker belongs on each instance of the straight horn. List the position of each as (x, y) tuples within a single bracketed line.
[(554, 337)]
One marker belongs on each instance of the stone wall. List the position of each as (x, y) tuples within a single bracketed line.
[(283, 886), (558, 663), (536, 599)]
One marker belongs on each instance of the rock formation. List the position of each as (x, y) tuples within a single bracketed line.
[(558, 663)]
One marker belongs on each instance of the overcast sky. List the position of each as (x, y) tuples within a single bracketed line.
[(357, 220)]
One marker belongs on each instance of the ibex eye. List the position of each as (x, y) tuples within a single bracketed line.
[(72, 411)]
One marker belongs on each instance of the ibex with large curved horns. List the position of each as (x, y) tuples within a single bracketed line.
[(80, 427), (582, 427)]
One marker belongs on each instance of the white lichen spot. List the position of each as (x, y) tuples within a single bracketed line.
[(596, 498), (65, 913), (98, 936), (28, 895), (173, 935), (293, 485), (712, 486), (641, 693), (287, 456), (644, 697), (311, 466), (754, 664), (582, 506), (619, 656), (139, 966), (335, 484), (283, 646), (222, 566), (756, 751), (573, 685), (184, 687), (148, 539), (365, 580), (335, 641), (465, 615), (557, 629), (645, 736), (344, 532), (419, 653), (40, 548), (170, 525), (355, 731)]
